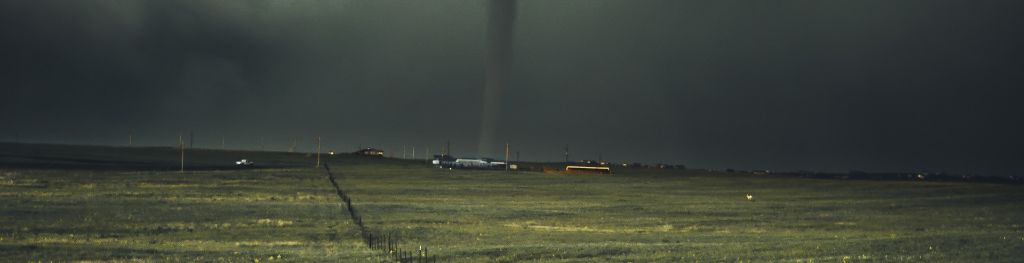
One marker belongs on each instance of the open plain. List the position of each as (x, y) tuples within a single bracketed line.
[(290, 212)]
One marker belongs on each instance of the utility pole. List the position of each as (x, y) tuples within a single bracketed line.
[(292, 149), (317, 151), (129, 139), (191, 139), (403, 151), (181, 146), (566, 153), (414, 152), (448, 149), (506, 156)]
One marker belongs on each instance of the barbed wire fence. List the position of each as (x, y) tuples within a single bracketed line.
[(386, 244)]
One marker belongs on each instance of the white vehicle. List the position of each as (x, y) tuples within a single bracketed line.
[(243, 162)]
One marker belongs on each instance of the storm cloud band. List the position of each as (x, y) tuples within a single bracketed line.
[(838, 85)]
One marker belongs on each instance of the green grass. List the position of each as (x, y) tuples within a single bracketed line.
[(475, 216), (166, 216), (490, 216)]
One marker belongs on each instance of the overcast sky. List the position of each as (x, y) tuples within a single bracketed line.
[(783, 85)]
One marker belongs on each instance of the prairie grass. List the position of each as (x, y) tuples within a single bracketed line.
[(235, 216), (654, 216), (293, 214)]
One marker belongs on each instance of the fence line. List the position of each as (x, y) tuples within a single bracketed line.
[(387, 244)]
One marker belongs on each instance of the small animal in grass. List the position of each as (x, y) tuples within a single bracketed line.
[(750, 197)]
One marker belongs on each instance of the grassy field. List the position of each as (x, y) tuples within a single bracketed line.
[(476, 216), (165, 216), (290, 212)]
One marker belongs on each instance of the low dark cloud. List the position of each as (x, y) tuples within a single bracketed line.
[(869, 85)]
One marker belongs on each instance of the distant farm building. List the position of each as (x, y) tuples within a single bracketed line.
[(448, 161), (479, 163), (371, 152), (588, 169)]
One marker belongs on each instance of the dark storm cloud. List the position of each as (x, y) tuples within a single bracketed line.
[(836, 85), (244, 69)]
